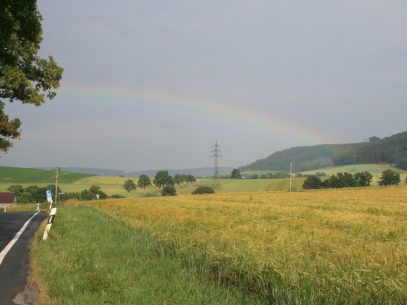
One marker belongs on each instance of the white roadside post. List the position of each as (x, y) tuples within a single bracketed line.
[(49, 224)]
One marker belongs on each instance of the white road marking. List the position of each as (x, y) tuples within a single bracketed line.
[(14, 240)]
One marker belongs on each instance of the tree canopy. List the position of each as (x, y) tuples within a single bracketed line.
[(389, 177), (129, 185), (235, 174), (24, 76), (340, 180), (143, 181), (162, 178)]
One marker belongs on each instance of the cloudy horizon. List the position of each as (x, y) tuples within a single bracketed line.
[(153, 84)]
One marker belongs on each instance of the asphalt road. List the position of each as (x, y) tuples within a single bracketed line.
[(15, 266)]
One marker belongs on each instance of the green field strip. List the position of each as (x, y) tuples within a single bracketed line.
[(90, 258)]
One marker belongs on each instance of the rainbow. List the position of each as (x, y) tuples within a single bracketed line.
[(114, 92)]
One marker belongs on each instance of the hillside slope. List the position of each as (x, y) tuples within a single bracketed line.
[(391, 150), (33, 175)]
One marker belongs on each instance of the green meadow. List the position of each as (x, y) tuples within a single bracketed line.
[(15, 175), (74, 182)]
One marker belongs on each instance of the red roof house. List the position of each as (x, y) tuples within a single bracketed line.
[(7, 197)]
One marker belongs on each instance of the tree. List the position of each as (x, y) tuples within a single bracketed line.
[(169, 190), (190, 179), (143, 182), (17, 189), (389, 177), (178, 178), (235, 174), (129, 185), (162, 178), (92, 193), (312, 182), (24, 76), (363, 178), (31, 193)]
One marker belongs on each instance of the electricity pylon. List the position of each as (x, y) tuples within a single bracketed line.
[(216, 155)]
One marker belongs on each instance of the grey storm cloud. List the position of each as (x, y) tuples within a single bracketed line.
[(339, 67)]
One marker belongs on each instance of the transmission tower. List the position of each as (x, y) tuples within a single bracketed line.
[(216, 155)]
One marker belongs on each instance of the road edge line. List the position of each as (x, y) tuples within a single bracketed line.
[(7, 248)]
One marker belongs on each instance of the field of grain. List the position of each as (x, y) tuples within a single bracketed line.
[(322, 247), (93, 259)]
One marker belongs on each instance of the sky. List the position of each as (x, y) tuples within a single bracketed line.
[(152, 84)]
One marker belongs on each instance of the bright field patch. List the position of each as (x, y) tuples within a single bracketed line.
[(325, 247)]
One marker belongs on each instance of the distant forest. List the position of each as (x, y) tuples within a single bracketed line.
[(391, 150)]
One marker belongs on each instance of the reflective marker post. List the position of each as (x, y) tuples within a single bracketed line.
[(49, 224)]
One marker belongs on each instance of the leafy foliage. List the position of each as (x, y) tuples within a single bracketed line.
[(162, 178), (24, 76), (339, 180), (312, 182), (32, 193), (129, 185), (389, 177), (168, 190), (190, 179), (181, 178), (144, 181), (235, 174), (363, 178), (203, 190)]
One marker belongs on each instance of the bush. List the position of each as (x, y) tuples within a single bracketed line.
[(203, 190), (151, 193), (168, 190), (312, 182)]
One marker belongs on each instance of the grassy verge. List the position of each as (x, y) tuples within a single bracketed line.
[(91, 258)]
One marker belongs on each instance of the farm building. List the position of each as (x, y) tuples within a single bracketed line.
[(7, 197)]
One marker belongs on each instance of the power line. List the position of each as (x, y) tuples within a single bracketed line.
[(291, 174), (216, 155)]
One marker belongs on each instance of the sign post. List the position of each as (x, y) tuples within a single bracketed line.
[(49, 198)]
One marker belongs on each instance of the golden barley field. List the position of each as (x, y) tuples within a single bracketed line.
[(316, 247)]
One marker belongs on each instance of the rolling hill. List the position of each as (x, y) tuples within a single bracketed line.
[(34, 175), (392, 150)]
